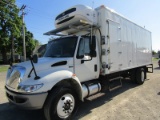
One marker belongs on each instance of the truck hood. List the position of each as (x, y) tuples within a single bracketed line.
[(45, 63)]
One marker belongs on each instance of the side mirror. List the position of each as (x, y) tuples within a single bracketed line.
[(86, 58), (35, 58)]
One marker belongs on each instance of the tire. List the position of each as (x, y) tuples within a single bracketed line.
[(61, 104), (140, 76)]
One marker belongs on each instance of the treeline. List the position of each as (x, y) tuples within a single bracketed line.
[(11, 31)]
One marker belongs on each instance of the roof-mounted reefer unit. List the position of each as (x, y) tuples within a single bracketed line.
[(75, 13)]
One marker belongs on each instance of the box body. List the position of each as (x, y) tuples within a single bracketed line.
[(124, 44)]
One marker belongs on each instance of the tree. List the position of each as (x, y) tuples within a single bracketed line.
[(10, 31), (153, 52), (10, 26), (31, 43)]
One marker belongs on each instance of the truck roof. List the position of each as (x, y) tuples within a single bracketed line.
[(114, 12)]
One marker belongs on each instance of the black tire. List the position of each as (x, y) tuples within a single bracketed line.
[(140, 76), (56, 96)]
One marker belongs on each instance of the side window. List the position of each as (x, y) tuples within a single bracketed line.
[(84, 47)]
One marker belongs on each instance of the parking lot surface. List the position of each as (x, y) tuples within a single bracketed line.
[(131, 102)]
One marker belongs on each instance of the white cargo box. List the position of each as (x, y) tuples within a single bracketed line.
[(125, 45)]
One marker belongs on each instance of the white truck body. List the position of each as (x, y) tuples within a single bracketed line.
[(127, 45), (98, 49)]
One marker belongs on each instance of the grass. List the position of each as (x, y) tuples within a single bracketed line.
[(155, 59), (3, 68)]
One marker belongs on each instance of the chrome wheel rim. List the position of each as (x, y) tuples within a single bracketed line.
[(65, 105), (142, 76)]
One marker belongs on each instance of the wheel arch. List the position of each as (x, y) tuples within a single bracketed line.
[(74, 84)]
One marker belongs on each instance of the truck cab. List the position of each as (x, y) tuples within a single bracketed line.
[(78, 54), (68, 62)]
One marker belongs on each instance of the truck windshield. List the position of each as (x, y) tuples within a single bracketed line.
[(61, 47)]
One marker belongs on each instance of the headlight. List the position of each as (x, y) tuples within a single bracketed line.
[(29, 88)]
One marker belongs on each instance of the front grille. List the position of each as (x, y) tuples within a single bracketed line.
[(65, 20), (66, 12)]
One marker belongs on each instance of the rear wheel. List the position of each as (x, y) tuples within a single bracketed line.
[(61, 104), (140, 76)]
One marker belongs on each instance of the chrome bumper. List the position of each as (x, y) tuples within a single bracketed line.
[(27, 101)]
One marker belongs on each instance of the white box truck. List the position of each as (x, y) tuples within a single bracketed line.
[(96, 49)]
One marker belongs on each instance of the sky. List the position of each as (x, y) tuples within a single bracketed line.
[(41, 14)]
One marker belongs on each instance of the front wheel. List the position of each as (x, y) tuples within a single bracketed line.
[(61, 104)]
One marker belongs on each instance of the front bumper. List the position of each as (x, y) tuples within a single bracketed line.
[(27, 101)]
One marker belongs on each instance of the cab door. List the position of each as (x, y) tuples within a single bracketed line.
[(86, 65)]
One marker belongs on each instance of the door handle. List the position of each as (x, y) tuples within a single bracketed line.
[(95, 67)]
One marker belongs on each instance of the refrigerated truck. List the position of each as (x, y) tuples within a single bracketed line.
[(95, 50)]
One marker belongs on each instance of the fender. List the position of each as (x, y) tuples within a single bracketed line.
[(50, 79), (72, 83)]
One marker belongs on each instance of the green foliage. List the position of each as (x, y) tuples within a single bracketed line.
[(3, 68), (10, 21), (10, 25), (31, 43), (153, 52), (11, 29)]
